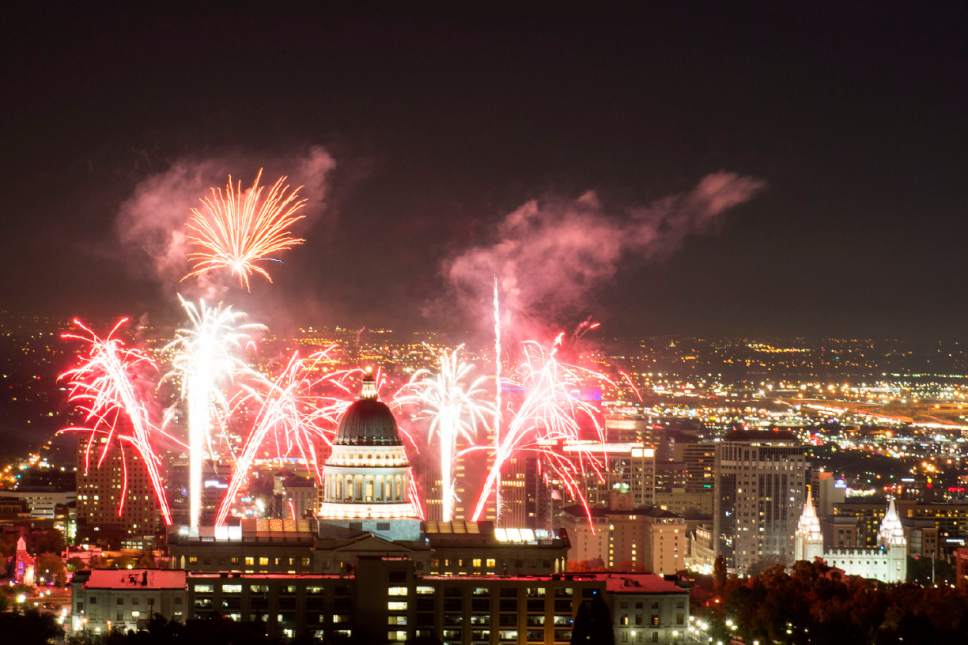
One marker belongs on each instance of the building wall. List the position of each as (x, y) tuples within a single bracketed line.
[(387, 602), (682, 502), (886, 565), (628, 541), (760, 484), (43, 504), (101, 610), (98, 495)]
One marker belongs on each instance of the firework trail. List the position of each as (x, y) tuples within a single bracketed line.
[(102, 385), (628, 379), (548, 416), (455, 407), (206, 358), (238, 229), (296, 410), (497, 390)]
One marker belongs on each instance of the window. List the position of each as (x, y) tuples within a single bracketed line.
[(259, 588), (491, 563), (263, 561), (396, 605), (204, 588), (476, 563), (397, 591), (120, 601), (397, 620), (231, 588), (249, 560), (425, 591)]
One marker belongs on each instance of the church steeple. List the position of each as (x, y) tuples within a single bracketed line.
[(808, 539), (891, 532)]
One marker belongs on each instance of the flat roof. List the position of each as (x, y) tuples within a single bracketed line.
[(147, 579)]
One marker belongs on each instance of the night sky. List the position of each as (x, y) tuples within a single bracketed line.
[(440, 125)]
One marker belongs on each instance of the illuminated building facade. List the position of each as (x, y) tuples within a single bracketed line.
[(98, 498), (760, 483), (626, 538), (886, 562), (386, 600), (123, 599), (366, 479), (630, 469)]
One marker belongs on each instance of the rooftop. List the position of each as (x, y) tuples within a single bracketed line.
[(136, 579)]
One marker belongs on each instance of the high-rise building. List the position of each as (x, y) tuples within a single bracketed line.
[(699, 460), (629, 468), (99, 496), (760, 483), (626, 538)]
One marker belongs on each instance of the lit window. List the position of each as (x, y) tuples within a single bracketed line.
[(396, 605), (231, 588), (397, 591), (203, 588)]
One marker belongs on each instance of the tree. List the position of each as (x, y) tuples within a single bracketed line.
[(719, 573), (51, 568), (29, 628), (593, 622)]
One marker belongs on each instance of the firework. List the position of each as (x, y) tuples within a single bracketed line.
[(238, 230), (548, 416), (497, 390), (206, 359), (297, 410), (454, 405), (103, 386)]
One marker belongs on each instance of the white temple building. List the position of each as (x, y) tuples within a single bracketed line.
[(886, 562)]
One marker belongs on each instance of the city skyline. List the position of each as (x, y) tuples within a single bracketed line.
[(613, 324)]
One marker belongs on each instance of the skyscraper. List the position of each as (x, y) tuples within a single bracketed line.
[(99, 493), (760, 483)]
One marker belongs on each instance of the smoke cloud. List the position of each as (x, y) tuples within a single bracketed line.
[(151, 222), (550, 253)]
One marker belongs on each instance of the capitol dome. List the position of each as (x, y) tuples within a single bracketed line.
[(366, 478), (367, 422)]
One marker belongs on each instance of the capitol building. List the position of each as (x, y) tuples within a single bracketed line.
[(367, 479), (886, 562)]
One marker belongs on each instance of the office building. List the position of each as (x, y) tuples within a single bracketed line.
[(760, 484)]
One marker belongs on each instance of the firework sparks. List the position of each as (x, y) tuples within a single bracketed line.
[(238, 230), (548, 415), (297, 409), (454, 406), (103, 386), (496, 303), (206, 358)]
